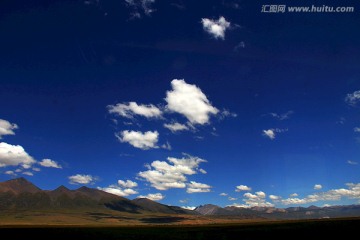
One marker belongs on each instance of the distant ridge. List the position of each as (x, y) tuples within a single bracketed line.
[(281, 213), (19, 195)]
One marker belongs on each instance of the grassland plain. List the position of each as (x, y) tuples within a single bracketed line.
[(235, 230)]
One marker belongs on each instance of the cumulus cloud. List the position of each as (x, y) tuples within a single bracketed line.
[(140, 140), (128, 110), (195, 187), (274, 197), (190, 101), (282, 116), (122, 189), (357, 129), (223, 194), (28, 173), (255, 200), (352, 192), (175, 127), (82, 179), (232, 199), (163, 175), (153, 196), (188, 207), (353, 98), (14, 155), (242, 188), (271, 133), (294, 195), (127, 184), (116, 190), (216, 28), (140, 7), (49, 163), (7, 128), (352, 162), (9, 172), (317, 186)]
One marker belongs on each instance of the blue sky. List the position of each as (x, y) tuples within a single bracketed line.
[(184, 102)]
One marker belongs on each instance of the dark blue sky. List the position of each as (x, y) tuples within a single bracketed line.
[(193, 102)]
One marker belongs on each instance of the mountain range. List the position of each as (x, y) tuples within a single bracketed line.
[(19, 195)]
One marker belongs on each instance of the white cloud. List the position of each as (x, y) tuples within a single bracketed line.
[(130, 109), (195, 187), (226, 113), (282, 116), (239, 205), (352, 162), (261, 194), (242, 188), (166, 146), (116, 190), (317, 186), (127, 184), (139, 6), (215, 28), (28, 173), (190, 101), (6, 128), (274, 197), (175, 127), (164, 175), (357, 129), (353, 192), (153, 196), (353, 98), (9, 172), (14, 155), (188, 207), (271, 133), (223, 194), (232, 199), (123, 189), (49, 163), (140, 140), (202, 171), (82, 179), (256, 200)]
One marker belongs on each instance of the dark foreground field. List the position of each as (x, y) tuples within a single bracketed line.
[(280, 230)]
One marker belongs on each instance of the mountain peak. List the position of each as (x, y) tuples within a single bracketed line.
[(18, 185), (62, 188)]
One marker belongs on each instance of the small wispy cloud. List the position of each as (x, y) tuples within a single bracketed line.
[(271, 133), (352, 162), (353, 98), (140, 7), (282, 116)]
